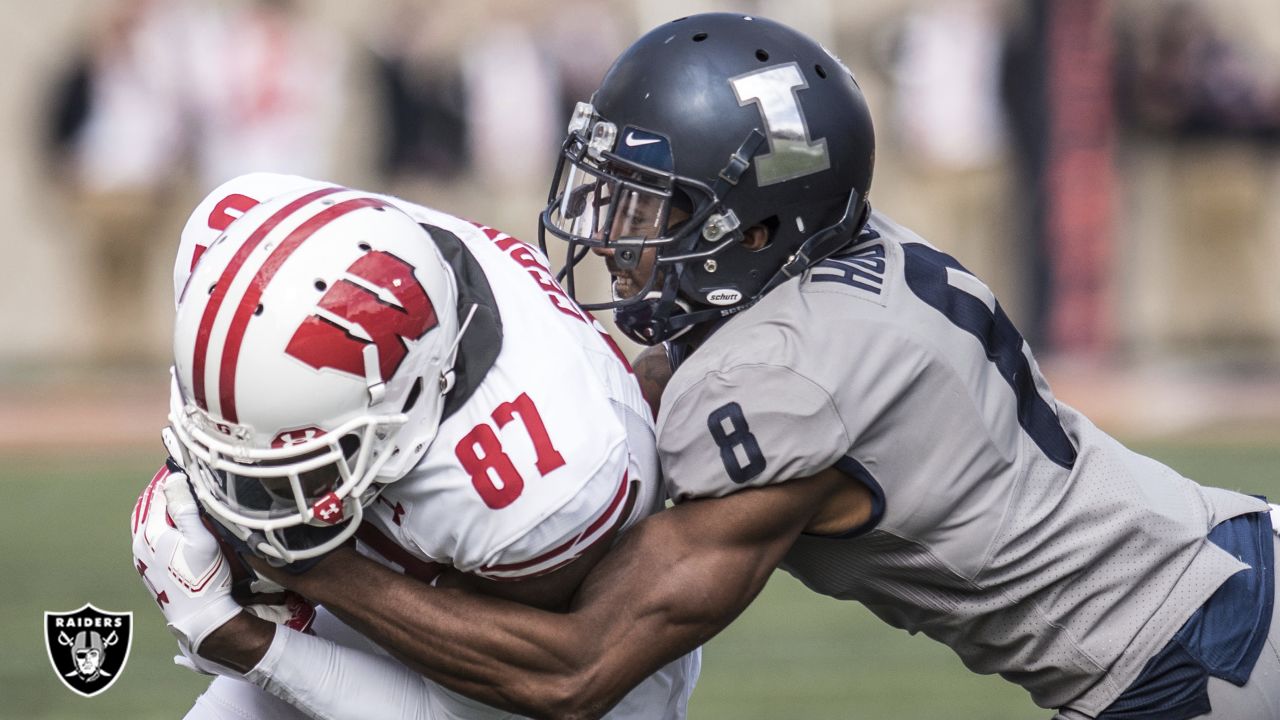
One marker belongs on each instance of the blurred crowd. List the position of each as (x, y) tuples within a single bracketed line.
[(166, 96), (986, 109), (1180, 74)]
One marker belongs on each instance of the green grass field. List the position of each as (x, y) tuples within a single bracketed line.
[(793, 654)]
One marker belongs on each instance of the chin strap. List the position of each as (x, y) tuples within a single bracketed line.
[(738, 162), (650, 321), (822, 244), (448, 376), (663, 316)]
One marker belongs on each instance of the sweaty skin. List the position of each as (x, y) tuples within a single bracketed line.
[(672, 582), (669, 585), (653, 371)]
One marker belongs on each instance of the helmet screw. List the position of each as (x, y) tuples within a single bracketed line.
[(710, 266), (717, 226)]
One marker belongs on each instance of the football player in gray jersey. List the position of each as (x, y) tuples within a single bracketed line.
[(851, 405)]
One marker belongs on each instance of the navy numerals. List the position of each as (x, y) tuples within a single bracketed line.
[(927, 273), (729, 429)]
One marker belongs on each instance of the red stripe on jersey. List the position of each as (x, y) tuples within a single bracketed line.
[(253, 294), (224, 284), (414, 567), (618, 498)]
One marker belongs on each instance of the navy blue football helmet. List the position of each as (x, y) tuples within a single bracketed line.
[(705, 127)]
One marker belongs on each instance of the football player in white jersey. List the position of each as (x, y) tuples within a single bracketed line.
[(850, 404), (352, 370)]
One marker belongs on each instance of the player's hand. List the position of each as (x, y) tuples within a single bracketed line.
[(246, 544), (243, 542), (326, 568), (181, 565)]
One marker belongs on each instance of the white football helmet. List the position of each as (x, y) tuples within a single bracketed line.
[(313, 347)]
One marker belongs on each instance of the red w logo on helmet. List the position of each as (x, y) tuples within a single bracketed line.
[(389, 309)]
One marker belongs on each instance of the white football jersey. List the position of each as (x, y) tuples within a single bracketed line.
[(552, 449), (542, 459)]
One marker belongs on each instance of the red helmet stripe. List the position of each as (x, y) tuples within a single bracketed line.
[(224, 284), (253, 294)]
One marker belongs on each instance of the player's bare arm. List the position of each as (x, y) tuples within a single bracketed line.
[(242, 642), (672, 582), (653, 371)]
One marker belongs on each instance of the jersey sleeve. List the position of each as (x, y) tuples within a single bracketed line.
[(564, 536), (748, 426), (567, 485), (624, 487)]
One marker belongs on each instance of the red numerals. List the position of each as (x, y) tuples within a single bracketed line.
[(548, 457), (493, 474)]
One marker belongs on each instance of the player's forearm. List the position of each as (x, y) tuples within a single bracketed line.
[(498, 652), (330, 681), (239, 644), (672, 582)]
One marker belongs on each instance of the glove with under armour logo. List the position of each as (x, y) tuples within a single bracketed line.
[(198, 584), (181, 564)]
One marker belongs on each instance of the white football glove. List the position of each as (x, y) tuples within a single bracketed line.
[(181, 564)]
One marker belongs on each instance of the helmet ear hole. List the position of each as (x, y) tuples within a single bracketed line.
[(350, 444), (681, 201), (757, 240)]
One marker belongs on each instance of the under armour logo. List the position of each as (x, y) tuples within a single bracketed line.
[(397, 510), (289, 438), (329, 509), (162, 597)]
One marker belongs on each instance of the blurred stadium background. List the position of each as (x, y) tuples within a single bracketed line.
[(1111, 167)]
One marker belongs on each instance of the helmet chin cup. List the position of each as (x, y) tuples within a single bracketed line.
[(649, 321)]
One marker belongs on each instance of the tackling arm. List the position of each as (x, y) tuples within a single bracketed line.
[(673, 582), (653, 371)]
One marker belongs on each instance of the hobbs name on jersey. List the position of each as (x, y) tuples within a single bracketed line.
[(862, 269)]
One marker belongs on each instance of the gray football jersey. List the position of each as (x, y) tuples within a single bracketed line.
[(1007, 525)]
